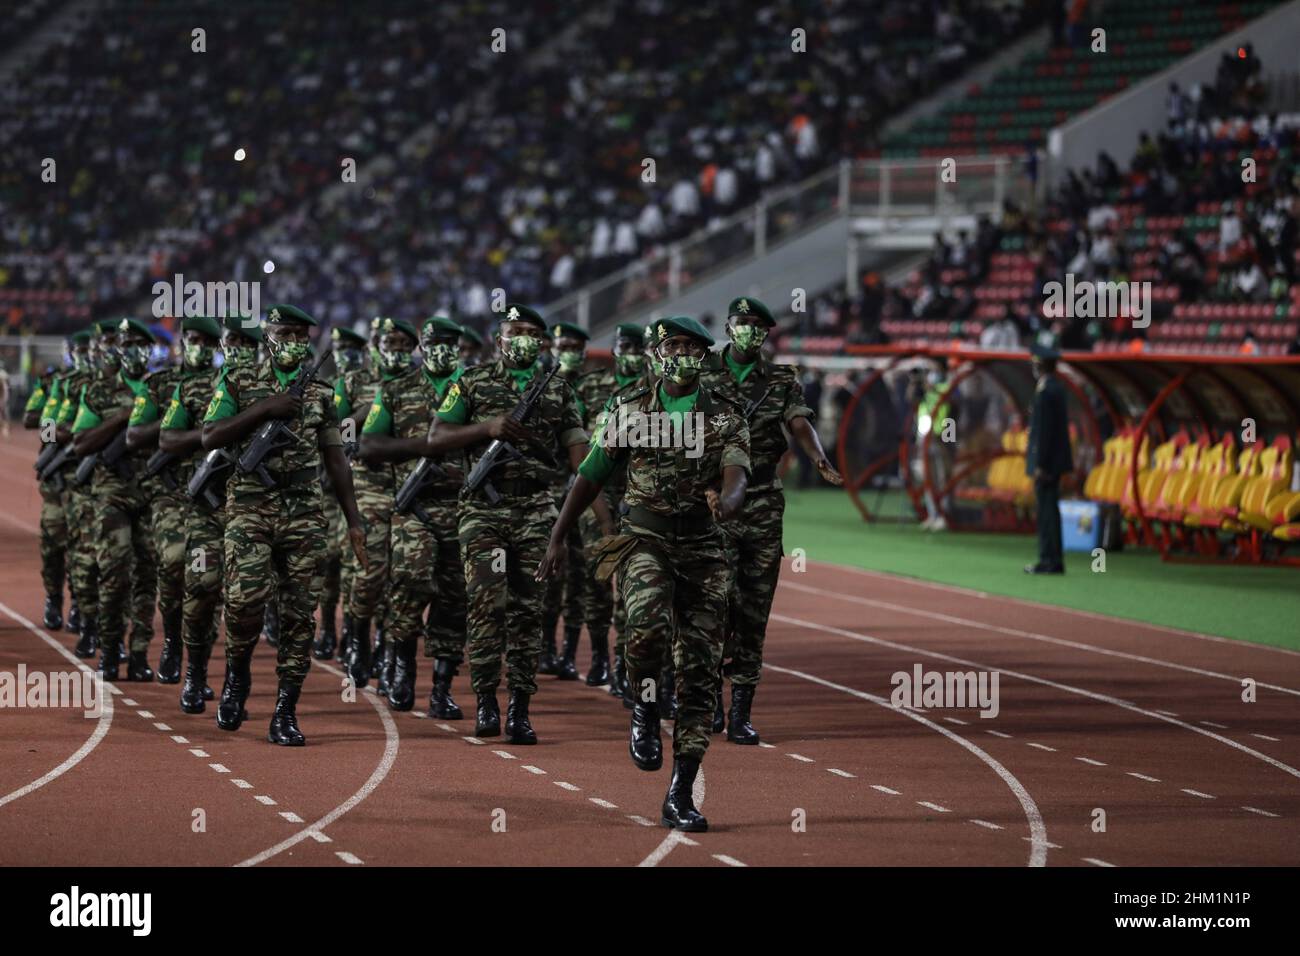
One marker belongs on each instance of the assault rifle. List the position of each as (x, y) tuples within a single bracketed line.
[(209, 478), (111, 457), (50, 462), (500, 452), (426, 471), (752, 407), (275, 434), (160, 463), (47, 455)]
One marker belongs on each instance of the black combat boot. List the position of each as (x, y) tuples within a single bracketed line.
[(88, 642), (548, 663), (739, 730), (441, 704), (169, 664), (328, 640), (378, 659), (566, 668), (137, 667), (519, 730), (284, 722), (629, 692), (383, 666), (359, 661), (193, 700), (679, 811), (110, 658), (53, 618), (271, 623), (598, 676), (488, 721), (73, 625), (401, 690), (668, 692), (230, 709), (345, 640), (643, 741), (617, 675)]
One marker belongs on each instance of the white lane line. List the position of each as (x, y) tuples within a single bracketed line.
[(955, 720), (932, 806), (101, 725), (1095, 862), (505, 755), (1042, 747), (113, 687), (801, 757), (1050, 846), (241, 784), (162, 727), (839, 773), (766, 746), (147, 715), (641, 820), (1197, 793), (129, 702), (264, 800), (375, 779), (531, 769), (603, 803), (1089, 760), (291, 816), (1262, 813), (985, 823), (1168, 713), (1266, 737), (1056, 685), (347, 857), (729, 860), (319, 837), (199, 752), (1210, 723), (883, 789), (998, 733), (474, 740), (566, 786), (447, 727), (674, 837), (179, 739), (1038, 829), (1142, 776), (219, 768)]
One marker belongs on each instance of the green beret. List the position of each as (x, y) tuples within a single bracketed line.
[(201, 323), (742, 305), (680, 325), (629, 330), (561, 329), (522, 313), (442, 325), (344, 338), (80, 338), (288, 315), (243, 324), (387, 325), (471, 333), (129, 325), (103, 325)]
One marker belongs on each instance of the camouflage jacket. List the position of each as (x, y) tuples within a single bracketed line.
[(189, 401), (616, 483), (105, 394), (403, 408), (782, 400), (149, 407), (357, 390)]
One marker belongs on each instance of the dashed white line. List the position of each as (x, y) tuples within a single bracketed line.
[(956, 720), (291, 816), (162, 726), (1265, 737), (319, 837), (505, 755), (603, 803), (1167, 713), (1197, 793), (1049, 845), (729, 860), (531, 769), (641, 820), (1142, 776), (147, 715), (198, 752), (473, 740), (1095, 862), (241, 784), (264, 799), (998, 733), (883, 789), (766, 746), (1262, 813), (447, 727), (839, 773), (1042, 747), (219, 768), (1095, 763), (179, 739), (932, 806), (347, 857), (566, 786), (129, 702), (1210, 723), (801, 757), (985, 823)]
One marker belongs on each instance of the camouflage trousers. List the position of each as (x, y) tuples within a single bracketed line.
[(54, 540), (168, 510), (128, 569), (336, 533), (367, 598), (754, 560), (274, 549), (204, 559), (597, 598), (427, 573), (675, 592), (82, 555), (502, 547)]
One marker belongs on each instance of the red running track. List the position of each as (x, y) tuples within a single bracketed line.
[(1097, 716)]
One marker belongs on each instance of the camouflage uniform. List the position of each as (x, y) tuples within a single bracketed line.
[(44, 401), (503, 544), (674, 581), (120, 527), (274, 542), (364, 591), (167, 506), (754, 547), (82, 556)]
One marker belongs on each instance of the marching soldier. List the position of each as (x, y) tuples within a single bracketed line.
[(502, 542), (670, 556), (181, 434), (275, 536), (349, 357), (121, 523), (168, 503), (470, 347), (426, 562), (771, 398)]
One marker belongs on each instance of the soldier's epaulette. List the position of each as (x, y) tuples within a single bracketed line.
[(619, 399)]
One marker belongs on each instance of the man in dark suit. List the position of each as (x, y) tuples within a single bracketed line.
[(1048, 457)]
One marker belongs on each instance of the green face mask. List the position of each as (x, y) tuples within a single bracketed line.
[(682, 369), (348, 360), (439, 359), (570, 360), (134, 359), (198, 356), (747, 337), (629, 366), (235, 356), (521, 350), (394, 363), (375, 360), (288, 355)]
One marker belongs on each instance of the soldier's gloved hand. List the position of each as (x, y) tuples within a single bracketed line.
[(357, 538), (504, 428), (553, 560), (828, 473), (281, 405)]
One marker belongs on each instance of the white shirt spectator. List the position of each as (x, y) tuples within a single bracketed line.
[(650, 223), (726, 187), (562, 272), (684, 199), (764, 164), (805, 145), (601, 237), (1099, 217), (1229, 230), (625, 239)]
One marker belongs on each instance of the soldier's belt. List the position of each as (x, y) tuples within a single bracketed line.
[(688, 523), (519, 487), (292, 479)]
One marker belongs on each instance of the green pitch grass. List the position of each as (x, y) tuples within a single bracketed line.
[(1260, 604)]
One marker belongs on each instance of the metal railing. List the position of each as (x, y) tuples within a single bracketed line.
[(895, 189)]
